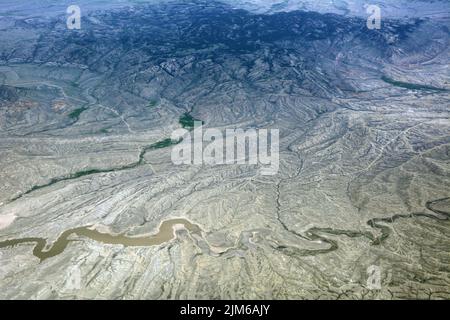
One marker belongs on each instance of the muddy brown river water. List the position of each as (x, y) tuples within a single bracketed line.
[(165, 233)]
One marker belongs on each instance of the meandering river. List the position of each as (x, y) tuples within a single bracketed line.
[(164, 234)]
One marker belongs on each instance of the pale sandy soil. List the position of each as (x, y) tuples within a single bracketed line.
[(6, 220)]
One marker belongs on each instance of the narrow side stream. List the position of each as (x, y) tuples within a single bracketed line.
[(376, 223)]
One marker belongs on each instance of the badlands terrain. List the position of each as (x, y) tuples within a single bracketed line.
[(92, 207)]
